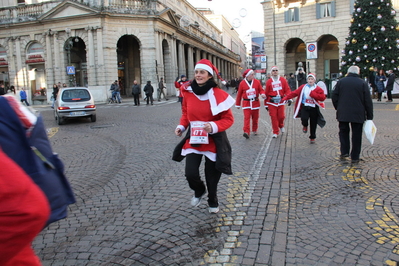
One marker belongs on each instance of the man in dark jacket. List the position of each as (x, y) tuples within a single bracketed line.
[(351, 98), (301, 77), (149, 90), (390, 83), (136, 91), (2, 89)]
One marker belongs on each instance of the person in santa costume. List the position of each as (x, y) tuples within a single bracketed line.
[(276, 88), (206, 115), (178, 84), (248, 94), (307, 107)]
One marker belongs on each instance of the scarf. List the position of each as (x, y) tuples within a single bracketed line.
[(201, 90)]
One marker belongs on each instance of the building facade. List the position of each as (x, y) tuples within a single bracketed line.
[(94, 42), (293, 28)]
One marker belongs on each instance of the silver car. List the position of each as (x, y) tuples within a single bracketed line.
[(74, 102)]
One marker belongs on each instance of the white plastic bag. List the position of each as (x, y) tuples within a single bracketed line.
[(370, 130)]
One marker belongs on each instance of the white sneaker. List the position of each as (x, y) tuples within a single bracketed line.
[(213, 209), (195, 202), (274, 136), (282, 130)]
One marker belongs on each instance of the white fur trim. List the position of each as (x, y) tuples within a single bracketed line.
[(249, 73), (223, 106), (211, 156), (205, 67)]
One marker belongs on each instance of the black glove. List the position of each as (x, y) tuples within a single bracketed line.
[(289, 102), (267, 108)]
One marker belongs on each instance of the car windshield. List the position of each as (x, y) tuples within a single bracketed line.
[(77, 95)]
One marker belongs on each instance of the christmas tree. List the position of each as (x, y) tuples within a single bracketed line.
[(373, 39)]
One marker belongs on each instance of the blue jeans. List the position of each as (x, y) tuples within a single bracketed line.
[(116, 96)]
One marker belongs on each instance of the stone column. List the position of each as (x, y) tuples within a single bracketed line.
[(91, 68), (21, 75), (100, 58), (11, 60), (49, 59), (181, 64), (190, 67), (158, 52), (173, 56), (57, 59)]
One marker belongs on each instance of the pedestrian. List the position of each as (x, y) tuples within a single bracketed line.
[(390, 83), (12, 89), (59, 85), (55, 94), (307, 107), (351, 98), (136, 91), (2, 89), (161, 87), (292, 82), (206, 114), (64, 85), (276, 88), (22, 95), (373, 85), (115, 91), (301, 77), (24, 211), (180, 83), (149, 90), (248, 94), (380, 78)]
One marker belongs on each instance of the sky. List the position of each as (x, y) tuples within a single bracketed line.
[(252, 21)]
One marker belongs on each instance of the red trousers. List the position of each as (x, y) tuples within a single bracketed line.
[(248, 114), (277, 115)]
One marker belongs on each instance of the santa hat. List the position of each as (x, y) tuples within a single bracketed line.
[(311, 75), (247, 73), (208, 66), (273, 68)]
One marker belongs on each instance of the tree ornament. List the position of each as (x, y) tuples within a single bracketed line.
[(343, 63), (383, 58), (379, 7), (379, 16), (354, 33), (350, 60), (350, 52), (386, 39), (397, 46), (368, 28), (347, 42), (392, 61), (382, 28), (375, 48), (382, 64), (371, 3), (359, 9), (389, 47), (359, 25), (352, 20), (397, 40), (374, 60), (358, 58), (397, 27), (393, 12), (373, 33), (367, 61), (354, 41), (365, 56), (365, 46), (342, 51)]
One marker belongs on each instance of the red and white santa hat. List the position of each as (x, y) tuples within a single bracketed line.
[(208, 66), (311, 75), (247, 73), (273, 68)]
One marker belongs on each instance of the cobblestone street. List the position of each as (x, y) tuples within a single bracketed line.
[(289, 202)]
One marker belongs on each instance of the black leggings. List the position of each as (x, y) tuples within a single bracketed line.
[(312, 114), (212, 177)]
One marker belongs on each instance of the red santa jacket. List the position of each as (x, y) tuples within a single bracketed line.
[(24, 210), (276, 88), (317, 94), (245, 92), (213, 107)]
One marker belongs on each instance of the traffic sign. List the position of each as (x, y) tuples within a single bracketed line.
[(70, 70)]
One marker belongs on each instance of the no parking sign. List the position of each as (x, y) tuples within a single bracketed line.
[(311, 50)]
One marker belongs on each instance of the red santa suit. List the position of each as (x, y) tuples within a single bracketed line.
[(248, 98), (213, 107), (24, 211), (275, 89)]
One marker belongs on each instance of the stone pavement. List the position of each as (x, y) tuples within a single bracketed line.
[(289, 202)]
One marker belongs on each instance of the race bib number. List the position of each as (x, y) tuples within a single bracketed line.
[(276, 85), (251, 94), (198, 135), (310, 101)]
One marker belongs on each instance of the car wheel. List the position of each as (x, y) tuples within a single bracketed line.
[(60, 120), (93, 118)]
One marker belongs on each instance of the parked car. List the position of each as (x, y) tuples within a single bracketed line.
[(74, 102)]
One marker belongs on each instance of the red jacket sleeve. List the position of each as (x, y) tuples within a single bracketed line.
[(318, 94), (24, 210), (294, 93)]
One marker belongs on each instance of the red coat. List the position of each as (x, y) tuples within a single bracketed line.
[(24, 211), (317, 94), (213, 107), (242, 97), (281, 89)]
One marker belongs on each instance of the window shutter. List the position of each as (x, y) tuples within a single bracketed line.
[(318, 11), (333, 8), (286, 15), (296, 13)]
